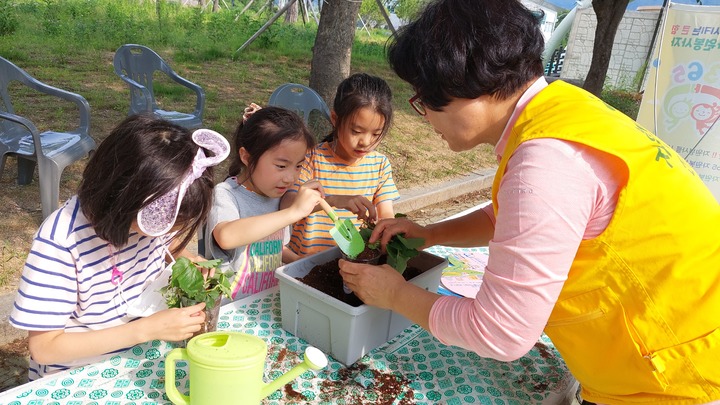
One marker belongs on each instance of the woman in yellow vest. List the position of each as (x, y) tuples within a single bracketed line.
[(599, 234)]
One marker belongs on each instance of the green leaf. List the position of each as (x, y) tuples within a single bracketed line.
[(399, 249), (188, 287), (398, 263), (365, 233), (209, 264), (187, 277), (410, 243)]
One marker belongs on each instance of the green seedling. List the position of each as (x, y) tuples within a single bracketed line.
[(187, 286), (399, 249)]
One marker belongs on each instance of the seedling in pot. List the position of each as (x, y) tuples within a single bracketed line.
[(399, 249), (188, 287)]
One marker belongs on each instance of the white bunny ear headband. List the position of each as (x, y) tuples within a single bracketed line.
[(158, 217)]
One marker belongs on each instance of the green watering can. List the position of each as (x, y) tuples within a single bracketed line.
[(227, 368)]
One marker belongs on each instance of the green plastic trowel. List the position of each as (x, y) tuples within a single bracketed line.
[(344, 233)]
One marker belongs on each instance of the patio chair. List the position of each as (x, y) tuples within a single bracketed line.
[(51, 150), (303, 100), (136, 64)]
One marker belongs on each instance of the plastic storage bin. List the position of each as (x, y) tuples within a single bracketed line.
[(339, 329)]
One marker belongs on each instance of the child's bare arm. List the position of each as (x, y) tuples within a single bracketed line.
[(243, 231), (288, 256), (385, 210), (58, 346), (287, 199)]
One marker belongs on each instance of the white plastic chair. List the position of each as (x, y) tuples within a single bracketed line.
[(51, 150), (136, 64)]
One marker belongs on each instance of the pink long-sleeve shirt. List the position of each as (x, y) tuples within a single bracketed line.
[(553, 195)]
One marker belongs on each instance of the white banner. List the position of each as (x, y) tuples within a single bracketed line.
[(681, 103)]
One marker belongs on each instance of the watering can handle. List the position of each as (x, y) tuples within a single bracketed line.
[(170, 389), (331, 213)]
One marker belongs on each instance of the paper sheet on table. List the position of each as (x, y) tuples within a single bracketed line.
[(464, 275)]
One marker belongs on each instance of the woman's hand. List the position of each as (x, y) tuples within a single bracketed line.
[(357, 204), (374, 285), (175, 324), (387, 228)]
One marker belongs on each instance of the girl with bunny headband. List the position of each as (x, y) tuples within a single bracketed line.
[(246, 227), (144, 192)]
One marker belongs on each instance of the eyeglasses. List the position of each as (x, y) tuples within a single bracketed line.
[(417, 104)]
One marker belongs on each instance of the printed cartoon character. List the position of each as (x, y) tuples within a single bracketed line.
[(705, 114)]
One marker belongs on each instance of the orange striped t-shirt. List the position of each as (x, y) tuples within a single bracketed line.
[(371, 177)]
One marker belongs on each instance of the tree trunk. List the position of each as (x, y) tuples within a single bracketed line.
[(216, 6), (291, 15), (333, 44), (609, 14)]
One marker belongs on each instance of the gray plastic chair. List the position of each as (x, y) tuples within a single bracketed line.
[(301, 99), (20, 138), (136, 64)]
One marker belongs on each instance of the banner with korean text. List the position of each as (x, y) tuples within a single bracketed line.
[(681, 104)]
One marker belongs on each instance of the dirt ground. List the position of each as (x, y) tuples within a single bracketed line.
[(437, 212), (14, 355)]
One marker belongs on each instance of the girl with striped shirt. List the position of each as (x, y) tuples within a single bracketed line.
[(355, 178), (143, 194)]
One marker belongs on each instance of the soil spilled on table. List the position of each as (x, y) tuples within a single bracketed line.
[(380, 388), (326, 278)]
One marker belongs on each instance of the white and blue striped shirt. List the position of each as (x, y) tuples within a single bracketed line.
[(66, 280)]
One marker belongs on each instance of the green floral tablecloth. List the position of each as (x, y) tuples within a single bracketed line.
[(413, 368)]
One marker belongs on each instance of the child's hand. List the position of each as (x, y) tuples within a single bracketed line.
[(315, 185), (175, 324), (306, 200), (357, 204)]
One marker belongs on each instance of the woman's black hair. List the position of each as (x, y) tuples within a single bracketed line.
[(467, 49), (142, 159), (264, 130), (359, 91)]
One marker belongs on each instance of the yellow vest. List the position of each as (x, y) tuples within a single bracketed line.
[(638, 319)]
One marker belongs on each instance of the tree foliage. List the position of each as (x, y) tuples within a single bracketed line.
[(370, 13), (407, 10)]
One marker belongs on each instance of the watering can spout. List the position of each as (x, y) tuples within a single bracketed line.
[(314, 360)]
